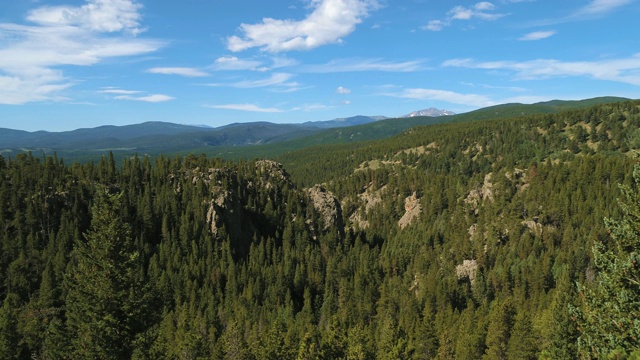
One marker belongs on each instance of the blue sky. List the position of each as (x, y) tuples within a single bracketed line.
[(67, 64)]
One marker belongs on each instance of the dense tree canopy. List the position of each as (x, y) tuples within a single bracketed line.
[(450, 241)]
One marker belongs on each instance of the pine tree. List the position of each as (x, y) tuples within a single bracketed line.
[(609, 320), (561, 332), (104, 300), (501, 319), (523, 343), (9, 337)]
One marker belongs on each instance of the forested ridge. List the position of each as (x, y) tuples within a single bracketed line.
[(507, 239)]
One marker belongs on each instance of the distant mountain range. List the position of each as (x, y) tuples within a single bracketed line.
[(256, 139), (433, 112), (344, 122), (156, 134)]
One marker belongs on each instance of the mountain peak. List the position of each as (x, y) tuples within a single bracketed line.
[(433, 112)]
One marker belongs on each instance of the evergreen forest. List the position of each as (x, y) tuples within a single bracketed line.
[(513, 238)]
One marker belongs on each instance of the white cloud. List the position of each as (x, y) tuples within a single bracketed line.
[(119, 91), (245, 107), (537, 35), (597, 7), (485, 5), (135, 95), (154, 98), (480, 10), (343, 91), (233, 63), (460, 13), (280, 62), (435, 25), (311, 107), (328, 23), (44, 86), (182, 71), (276, 80), (65, 36), (279, 79), (96, 15), (351, 65), (624, 70), (487, 86), (444, 95), (594, 9)]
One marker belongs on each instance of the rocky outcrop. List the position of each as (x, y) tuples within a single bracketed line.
[(467, 270), (271, 173), (482, 193), (224, 208), (533, 225), (328, 206), (369, 198), (412, 210)]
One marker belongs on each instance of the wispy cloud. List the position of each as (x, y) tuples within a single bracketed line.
[(494, 87), (343, 91), (154, 98), (279, 82), (624, 70), (443, 95), (182, 71), (234, 63), (594, 9), (537, 35), (599, 7), (65, 35), (135, 95), (351, 65), (311, 107), (328, 23), (276, 79), (245, 107), (482, 10), (119, 91)]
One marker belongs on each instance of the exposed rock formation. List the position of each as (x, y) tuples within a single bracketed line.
[(472, 231), (328, 206), (412, 210), (270, 172), (484, 192), (468, 270), (534, 226), (370, 198), (224, 208)]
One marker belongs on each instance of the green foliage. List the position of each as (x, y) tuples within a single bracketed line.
[(9, 338), (104, 301), (610, 317), (196, 257)]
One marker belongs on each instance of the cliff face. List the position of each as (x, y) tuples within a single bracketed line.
[(328, 206)]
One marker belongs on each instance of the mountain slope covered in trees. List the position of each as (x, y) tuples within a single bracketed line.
[(461, 240)]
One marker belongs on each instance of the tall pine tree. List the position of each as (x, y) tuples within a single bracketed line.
[(104, 302)]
